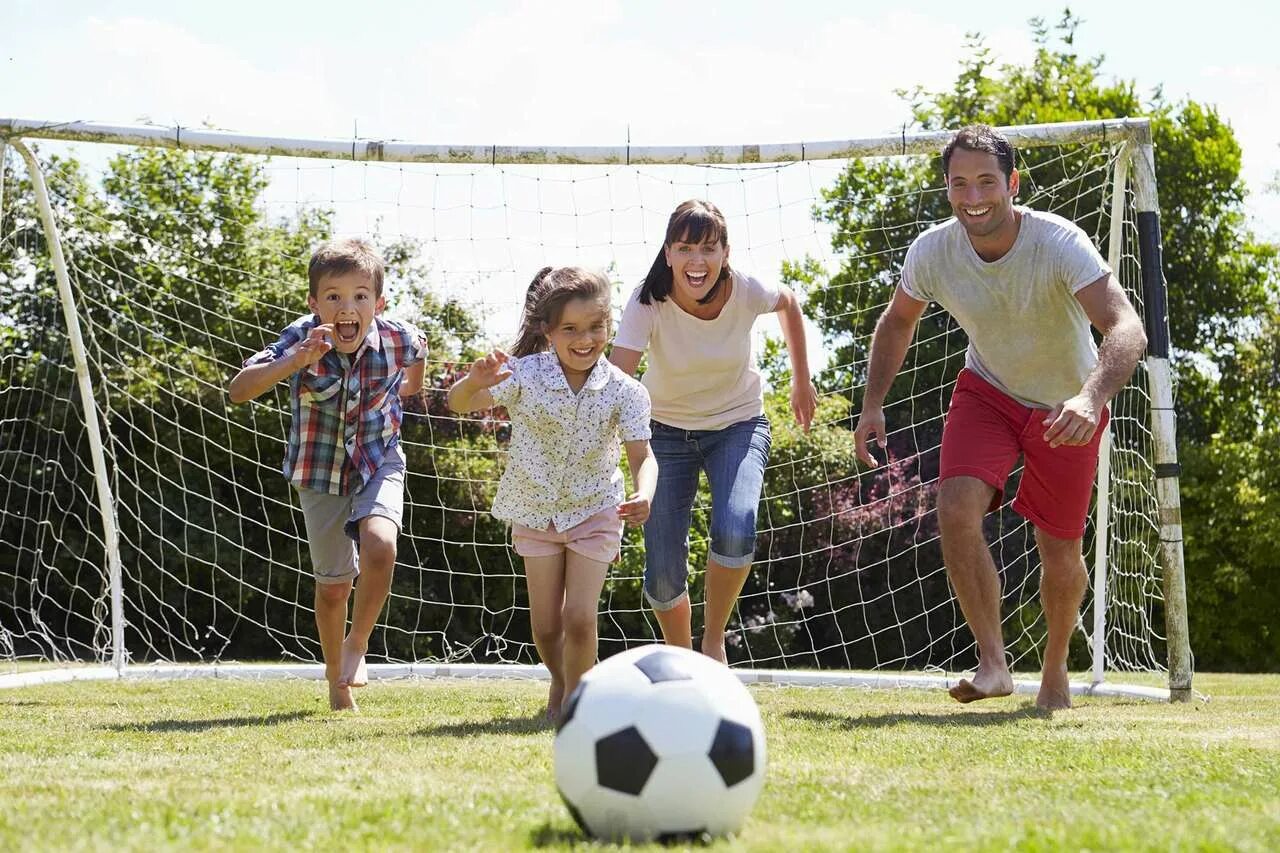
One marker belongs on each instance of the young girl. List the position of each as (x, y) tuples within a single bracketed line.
[(694, 315), (562, 491)]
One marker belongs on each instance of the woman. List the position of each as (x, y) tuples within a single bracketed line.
[(693, 314)]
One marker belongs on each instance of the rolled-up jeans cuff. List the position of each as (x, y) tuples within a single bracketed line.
[(666, 605), (731, 562)]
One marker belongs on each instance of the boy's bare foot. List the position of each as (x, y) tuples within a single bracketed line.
[(714, 650), (340, 698), (1055, 690), (554, 700), (987, 683), (354, 671)]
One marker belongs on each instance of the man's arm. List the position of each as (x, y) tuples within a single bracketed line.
[(894, 331), (1074, 421)]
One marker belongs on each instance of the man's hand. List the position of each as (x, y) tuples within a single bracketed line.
[(634, 510), (490, 370), (870, 423), (313, 347), (1073, 422)]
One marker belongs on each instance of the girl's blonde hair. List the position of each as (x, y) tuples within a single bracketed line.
[(548, 292)]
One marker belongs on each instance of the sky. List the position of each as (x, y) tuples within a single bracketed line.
[(600, 72)]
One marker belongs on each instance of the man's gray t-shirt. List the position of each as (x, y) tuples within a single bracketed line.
[(1028, 334)]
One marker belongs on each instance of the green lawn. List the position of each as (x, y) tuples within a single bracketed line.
[(467, 765)]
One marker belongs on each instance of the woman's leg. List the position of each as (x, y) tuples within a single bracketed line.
[(666, 533), (736, 457)]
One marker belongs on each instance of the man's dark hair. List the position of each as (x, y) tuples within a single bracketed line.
[(982, 138)]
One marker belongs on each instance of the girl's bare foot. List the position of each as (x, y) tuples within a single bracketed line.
[(554, 700)]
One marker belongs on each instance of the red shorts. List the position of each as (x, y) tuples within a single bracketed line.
[(985, 431)]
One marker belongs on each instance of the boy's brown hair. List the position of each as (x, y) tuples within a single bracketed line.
[(340, 257)]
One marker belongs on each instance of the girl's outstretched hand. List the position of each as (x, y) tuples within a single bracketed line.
[(490, 370), (634, 510)]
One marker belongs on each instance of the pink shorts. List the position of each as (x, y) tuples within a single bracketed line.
[(598, 538), (985, 431)]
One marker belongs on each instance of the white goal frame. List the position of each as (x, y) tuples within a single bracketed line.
[(1135, 165)]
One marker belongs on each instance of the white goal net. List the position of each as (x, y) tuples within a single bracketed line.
[(183, 262)]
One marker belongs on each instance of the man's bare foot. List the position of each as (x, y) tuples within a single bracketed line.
[(714, 650), (554, 700), (340, 698), (986, 684), (1055, 690), (354, 672)]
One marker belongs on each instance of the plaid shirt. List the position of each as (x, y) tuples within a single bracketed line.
[(346, 408)]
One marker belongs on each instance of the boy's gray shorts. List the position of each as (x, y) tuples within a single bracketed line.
[(333, 531)]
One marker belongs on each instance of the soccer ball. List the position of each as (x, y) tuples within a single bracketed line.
[(659, 742)]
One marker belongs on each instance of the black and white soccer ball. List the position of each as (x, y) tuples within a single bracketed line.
[(659, 742)]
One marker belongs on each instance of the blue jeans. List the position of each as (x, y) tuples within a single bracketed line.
[(734, 458)]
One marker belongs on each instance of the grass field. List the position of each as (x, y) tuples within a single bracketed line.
[(436, 765)]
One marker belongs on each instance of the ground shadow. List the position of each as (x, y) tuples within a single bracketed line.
[(159, 726), (553, 835), (496, 726), (944, 719)]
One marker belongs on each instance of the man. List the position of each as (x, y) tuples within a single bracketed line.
[(1025, 286)]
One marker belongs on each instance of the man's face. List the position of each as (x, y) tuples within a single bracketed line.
[(980, 196)]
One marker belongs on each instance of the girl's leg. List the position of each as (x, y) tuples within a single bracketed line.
[(735, 462), (584, 579), (545, 578)]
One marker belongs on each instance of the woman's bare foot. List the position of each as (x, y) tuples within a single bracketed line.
[(554, 700), (1055, 690), (354, 672), (340, 698), (987, 683)]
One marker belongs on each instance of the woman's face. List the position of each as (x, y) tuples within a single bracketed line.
[(695, 267)]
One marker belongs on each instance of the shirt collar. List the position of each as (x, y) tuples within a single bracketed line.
[(552, 374)]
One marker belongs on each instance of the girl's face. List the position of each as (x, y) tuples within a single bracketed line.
[(695, 267), (579, 336)]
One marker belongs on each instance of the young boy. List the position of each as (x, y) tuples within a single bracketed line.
[(347, 369)]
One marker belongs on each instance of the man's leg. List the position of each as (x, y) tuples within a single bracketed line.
[(1063, 579), (962, 502), (377, 563)]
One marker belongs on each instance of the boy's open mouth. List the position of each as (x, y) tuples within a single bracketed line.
[(347, 331)]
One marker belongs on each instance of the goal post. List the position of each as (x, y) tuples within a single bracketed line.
[(190, 552)]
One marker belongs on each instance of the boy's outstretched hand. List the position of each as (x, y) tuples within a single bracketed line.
[(490, 370), (314, 346), (634, 510)]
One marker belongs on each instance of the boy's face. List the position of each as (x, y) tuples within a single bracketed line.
[(347, 303)]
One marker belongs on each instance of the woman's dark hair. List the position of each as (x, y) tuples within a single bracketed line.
[(694, 221), (548, 292)]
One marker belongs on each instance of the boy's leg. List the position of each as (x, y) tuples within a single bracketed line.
[(583, 580), (331, 622), (377, 564), (333, 562), (376, 511), (545, 578)]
